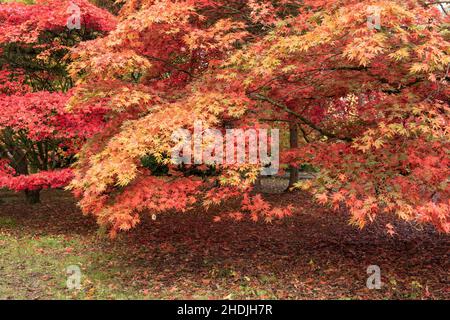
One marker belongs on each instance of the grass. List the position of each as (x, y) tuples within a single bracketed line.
[(7, 222), (31, 263), (35, 267), (190, 257)]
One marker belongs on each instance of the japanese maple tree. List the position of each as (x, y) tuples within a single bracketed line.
[(369, 101), (38, 137)]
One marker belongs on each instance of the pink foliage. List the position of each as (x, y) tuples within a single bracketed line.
[(24, 23), (43, 179), (43, 115)]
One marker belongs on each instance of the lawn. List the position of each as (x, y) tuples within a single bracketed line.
[(314, 254)]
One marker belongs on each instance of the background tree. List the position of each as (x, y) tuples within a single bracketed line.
[(38, 138)]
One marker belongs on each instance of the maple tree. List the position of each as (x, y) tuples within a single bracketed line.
[(38, 137), (370, 104)]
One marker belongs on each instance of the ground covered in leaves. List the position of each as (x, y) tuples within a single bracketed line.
[(314, 254)]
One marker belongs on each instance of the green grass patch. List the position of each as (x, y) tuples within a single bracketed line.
[(36, 268), (7, 222)]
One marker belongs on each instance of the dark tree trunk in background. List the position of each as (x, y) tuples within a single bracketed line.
[(19, 162), (293, 143), (20, 165), (33, 196)]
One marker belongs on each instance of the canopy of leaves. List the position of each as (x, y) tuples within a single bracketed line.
[(372, 104), (38, 137)]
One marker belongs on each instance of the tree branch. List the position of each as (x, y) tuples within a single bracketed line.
[(309, 123)]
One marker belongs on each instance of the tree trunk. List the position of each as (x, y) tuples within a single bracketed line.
[(258, 184), (33, 196), (293, 143), (19, 162)]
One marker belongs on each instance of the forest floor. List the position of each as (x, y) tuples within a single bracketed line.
[(315, 254)]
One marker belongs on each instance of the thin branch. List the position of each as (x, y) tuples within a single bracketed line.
[(282, 106)]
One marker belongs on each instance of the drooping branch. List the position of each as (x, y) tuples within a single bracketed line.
[(324, 132)]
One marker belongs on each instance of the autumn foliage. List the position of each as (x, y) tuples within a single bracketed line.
[(371, 103), (38, 136)]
